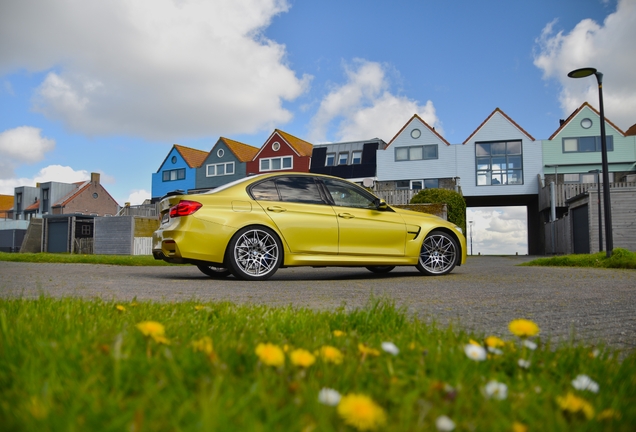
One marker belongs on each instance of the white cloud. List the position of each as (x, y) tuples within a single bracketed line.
[(498, 230), (24, 144), (609, 47), (137, 197), (158, 69), (56, 173), (365, 108)]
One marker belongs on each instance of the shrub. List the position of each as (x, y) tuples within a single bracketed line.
[(454, 201)]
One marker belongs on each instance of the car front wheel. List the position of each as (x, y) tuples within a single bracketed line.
[(438, 255), (214, 271), (254, 253)]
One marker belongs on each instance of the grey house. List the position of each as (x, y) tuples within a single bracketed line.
[(225, 163)]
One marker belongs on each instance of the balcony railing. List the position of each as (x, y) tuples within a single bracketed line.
[(563, 192)]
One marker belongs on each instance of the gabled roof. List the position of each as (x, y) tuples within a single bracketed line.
[(6, 202), (72, 195), (631, 131), (575, 113), (34, 206), (193, 157), (497, 110), (243, 152), (415, 116), (303, 148)]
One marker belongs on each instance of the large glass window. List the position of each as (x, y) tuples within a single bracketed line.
[(219, 169), (417, 184), (288, 189), (277, 163), (173, 175), (586, 144), (356, 157), (416, 153), (499, 163), (343, 158), (331, 159)]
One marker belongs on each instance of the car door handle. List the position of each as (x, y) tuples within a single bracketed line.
[(276, 209), (346, 215)]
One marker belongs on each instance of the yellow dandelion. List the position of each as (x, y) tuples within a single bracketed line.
[(361, 412), (330, 354), (270, 354), (120, 308), (519, 427), (523, 328), (608, 414), (199, 307), (575, 405), (494, 342), (151, 328), (474, 342), (412, 346), (302, 358), (338, 333), (365, 350), (203, 345), (161, 340)]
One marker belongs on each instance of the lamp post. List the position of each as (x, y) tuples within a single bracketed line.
[(598, 203), (470, 224), (607, 205)]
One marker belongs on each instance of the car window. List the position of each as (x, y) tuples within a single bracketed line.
[(265, 191), (348, 195), (299, 190)]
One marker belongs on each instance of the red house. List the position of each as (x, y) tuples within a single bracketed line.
[(281, 152)]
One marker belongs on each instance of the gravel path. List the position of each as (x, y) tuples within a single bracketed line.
[(590, 305)]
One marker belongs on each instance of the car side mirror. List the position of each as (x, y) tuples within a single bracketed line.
[(380, 204)]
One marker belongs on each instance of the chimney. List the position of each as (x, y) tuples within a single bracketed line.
[(95, 178), (561, 121)]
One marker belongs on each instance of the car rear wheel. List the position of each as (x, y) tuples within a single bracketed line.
[(254, 253), (214, 271), (380, 269), (438, 255)]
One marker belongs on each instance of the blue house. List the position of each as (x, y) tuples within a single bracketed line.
[(226, 162), (177, 171)]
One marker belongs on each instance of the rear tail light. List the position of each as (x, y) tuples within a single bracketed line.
[(185, 208)]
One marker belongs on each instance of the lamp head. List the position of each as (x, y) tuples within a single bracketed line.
[(582, 73)]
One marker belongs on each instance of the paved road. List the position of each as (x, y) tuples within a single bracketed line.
[(588, 305)]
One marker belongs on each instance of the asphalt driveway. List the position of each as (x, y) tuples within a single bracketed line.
[(590, 305)]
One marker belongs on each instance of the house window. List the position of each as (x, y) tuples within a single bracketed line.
[(331, 159), (356, 157), (18, 200), (417, 184), (45, 201), (278, 163), (585, 178), (220, 169), (499, 163), (343, 158), (172, 175), (586, 144), (416, 153), (86, 230)]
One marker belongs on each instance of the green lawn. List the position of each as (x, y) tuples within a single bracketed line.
[(128, 260), (621, 258), (70, 364)]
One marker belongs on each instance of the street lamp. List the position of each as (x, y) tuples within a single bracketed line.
[(582, 73), (470, 224), (598, 203)]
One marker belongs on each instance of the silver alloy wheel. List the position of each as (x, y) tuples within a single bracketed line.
[(438, 255), (256, 253)]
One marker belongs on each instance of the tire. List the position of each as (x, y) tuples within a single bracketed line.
[(439, 254), (380, 269), (214, 271), (254, 253)]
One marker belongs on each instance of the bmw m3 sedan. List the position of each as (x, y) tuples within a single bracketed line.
[(253, 226)]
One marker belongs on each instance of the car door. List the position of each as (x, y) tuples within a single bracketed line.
[(363, 229), (294, 203)]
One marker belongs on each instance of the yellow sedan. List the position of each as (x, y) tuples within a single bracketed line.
[(253, 226)]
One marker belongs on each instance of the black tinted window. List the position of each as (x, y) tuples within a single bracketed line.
[(348, 195), (299, 189), (265, 191)]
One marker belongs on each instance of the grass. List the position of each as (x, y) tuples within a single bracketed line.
[(44, 257), (70, 364), (620, 259)]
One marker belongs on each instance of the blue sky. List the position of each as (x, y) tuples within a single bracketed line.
[(108, 87)]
